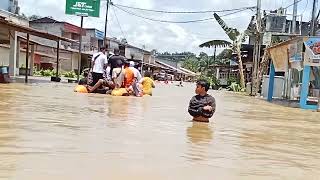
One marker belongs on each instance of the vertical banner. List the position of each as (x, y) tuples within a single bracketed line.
[(295, 51), (312, 54)]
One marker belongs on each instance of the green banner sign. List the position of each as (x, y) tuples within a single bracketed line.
[(83, 7)]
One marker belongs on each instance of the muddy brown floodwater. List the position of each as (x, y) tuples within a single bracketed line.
[(49, 132)]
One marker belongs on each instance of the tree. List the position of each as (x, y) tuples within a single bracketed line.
[(224, 57), (24, 16), (237, 39), (204, 62), (263, 68), (215, 44), (200, 63), (34, 17), (191, 63)]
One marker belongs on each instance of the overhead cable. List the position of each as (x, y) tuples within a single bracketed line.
[(114, 12), (183, 12), (177, 22), (292, 4)]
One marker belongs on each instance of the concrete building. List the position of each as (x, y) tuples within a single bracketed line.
[(93, 40), (58, 28), (10, 6)]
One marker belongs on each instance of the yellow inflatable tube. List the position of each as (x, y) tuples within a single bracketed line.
[(119, 92), (80, 89)]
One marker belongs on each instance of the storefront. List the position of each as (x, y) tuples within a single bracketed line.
[(299, 59)]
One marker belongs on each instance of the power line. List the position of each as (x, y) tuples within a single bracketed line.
[(114, 12), (177, 22), (184, 12), (292, 4), (305, 7), (203, 36)]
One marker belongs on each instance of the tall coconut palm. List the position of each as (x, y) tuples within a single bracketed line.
[(237, 39), (215, 44)]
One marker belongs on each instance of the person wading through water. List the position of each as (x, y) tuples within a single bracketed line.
[(202, 106), (99, 63), (116, 63)]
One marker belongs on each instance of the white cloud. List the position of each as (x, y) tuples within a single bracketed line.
[(162, 36)]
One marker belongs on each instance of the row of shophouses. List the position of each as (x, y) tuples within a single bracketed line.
[(54, 44)]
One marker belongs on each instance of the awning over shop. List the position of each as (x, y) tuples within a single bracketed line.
[(172, 68), (294, 52), (190, 73), (279, 57), (4, 24)]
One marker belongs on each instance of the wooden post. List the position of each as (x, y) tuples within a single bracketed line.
[(32, 60), (271, 82), (305, 89), (27, 60), (214, 55), (80, 44), (58, 49)]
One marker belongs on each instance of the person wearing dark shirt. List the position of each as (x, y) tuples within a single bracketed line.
[(202, 106), (116, 63)]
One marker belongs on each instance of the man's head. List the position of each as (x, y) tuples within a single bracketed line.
[(126, 64), (116, 52), (131, 64), (103, 50), (202, 87), (147, 74), (86, 72)]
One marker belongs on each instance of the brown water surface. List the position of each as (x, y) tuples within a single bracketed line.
[(49, 132)]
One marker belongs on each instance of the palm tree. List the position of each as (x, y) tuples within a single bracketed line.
[(191, 63), (237, 38), (215, 44)]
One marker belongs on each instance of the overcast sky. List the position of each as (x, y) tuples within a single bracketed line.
[(164, 36)]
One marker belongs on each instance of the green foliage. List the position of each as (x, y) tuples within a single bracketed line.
[(232, 80), (235, 87), (203, 62), (215, 43), (224, 57), (34, 17), (70, 74), (175, 57), (214, 82), (232, 33), (191, 63), (46, 73)]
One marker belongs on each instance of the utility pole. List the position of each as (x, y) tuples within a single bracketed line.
[(106, 24), (294, 17), (257, 47), (293, 31), (314, 20), (80, 49)]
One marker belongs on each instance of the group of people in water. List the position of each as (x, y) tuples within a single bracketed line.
[(115, 75)]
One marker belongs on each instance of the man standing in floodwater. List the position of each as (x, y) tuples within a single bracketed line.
[(202, 106), (116, 63), (99, 62)]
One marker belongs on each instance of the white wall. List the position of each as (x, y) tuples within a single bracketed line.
[(135, 52), (51, 28), (4, 58), (69, 63)]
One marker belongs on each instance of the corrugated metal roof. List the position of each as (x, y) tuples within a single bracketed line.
[(9, 25)]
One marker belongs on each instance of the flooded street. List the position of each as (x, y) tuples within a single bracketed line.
[(49, 132)]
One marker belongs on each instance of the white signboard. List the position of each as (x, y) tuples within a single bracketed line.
[(312, 54), (267, 38)]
